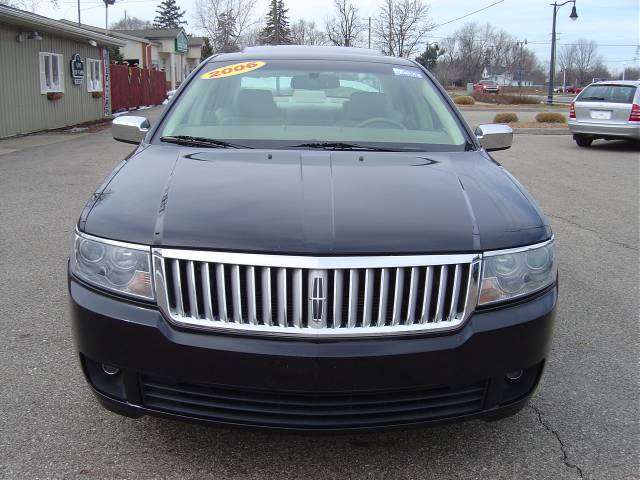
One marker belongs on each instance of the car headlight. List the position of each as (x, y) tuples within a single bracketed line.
[(116, 266), (509, 274)]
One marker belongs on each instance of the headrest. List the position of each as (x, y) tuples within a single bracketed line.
[(315, 82), (363, 105), (256, 103)]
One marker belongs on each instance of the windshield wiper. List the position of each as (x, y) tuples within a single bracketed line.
[(341, 146), (199, 142)]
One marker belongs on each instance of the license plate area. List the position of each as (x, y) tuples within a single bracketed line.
[(601, 114)]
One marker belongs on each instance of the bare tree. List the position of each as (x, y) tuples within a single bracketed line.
[(31, 5), (586, 60), (224, 21), (131, 23), (306, 33), (345, 27), (402, 25)]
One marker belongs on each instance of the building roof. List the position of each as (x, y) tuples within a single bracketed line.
[(154, 32), (122, 34), (28, 20), (196, 41)]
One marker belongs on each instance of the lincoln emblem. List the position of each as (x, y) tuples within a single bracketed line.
[(317, 299)]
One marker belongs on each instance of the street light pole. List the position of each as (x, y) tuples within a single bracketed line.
[(522, 44), (574, 16)]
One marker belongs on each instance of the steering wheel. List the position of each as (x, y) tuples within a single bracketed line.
[(388, 121)]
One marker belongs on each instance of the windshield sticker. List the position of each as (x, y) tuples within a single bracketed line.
[(405, 72), (230, 70)]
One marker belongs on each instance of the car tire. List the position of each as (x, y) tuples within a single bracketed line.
[(583, 141)]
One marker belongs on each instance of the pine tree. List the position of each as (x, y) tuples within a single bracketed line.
[(207, 50), (276, 31), (225, 38), (429, 58), (169, 15)]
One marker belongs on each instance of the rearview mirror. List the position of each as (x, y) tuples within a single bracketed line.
[(495, 136), (129, 129)]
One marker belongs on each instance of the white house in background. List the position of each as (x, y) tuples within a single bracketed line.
[(505, 78)]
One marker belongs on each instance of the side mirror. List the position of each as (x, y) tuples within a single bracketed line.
[(495, 136), (130, 129)]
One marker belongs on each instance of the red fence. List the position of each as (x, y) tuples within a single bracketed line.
[(133, 87)]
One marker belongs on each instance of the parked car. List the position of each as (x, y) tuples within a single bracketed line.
[(608, 110), (573, 89), (312, 255), (486, 86)]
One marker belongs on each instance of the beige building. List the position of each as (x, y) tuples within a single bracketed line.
[(168, 49), (53, 74)]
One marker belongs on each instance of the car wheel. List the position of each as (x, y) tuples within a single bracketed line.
[(583, 141)]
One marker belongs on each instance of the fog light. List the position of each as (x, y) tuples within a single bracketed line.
[(112, 370), (514, 376)]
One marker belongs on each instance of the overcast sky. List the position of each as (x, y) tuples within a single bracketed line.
[(611, 23)]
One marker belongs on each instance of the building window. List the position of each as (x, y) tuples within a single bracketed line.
[(94, 75), (51, 78)]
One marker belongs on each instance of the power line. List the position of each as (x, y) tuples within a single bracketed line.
[(468, 14)]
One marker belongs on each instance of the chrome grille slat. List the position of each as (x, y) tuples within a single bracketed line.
[(297, 298), (367, 312), (368, 298), (266, 296), (282, 297), (191, 288), (384, 296), (413, 296), (426, 299), (221, 292), (206, 288), (352, 315), (397, 296), (177, 287), (235, 294), (251, 296), (453, 309), (337, 298), (442, 288)]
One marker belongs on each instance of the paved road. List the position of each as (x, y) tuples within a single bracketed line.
[(582, 422)]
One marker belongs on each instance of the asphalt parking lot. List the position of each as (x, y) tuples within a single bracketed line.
[(582, 421)]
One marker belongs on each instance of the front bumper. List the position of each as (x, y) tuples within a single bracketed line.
[(302, 384), (605, 130)]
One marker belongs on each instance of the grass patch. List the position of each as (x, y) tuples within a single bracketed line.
[(464, 100), (505, 117), (501, 99), (550, 117)]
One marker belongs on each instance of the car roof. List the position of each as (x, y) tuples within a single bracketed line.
[(306, 52), (633, 83)]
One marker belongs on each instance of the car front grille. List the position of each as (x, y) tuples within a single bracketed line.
[(311, 410), (316, 295)]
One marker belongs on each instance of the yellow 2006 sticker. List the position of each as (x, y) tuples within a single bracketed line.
[(235, 69)]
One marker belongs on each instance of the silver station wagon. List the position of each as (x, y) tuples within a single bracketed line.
[(609, 110)]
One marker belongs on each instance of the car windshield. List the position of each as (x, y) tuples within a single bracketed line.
[(608, 93), (487, 82), (285, 103)]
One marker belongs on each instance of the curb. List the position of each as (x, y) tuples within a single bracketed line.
[(541, 131)]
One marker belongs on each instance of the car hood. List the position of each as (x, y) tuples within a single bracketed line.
[(314, 202)]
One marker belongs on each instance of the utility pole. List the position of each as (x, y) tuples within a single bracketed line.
[(78, 12), (522, 44), (552, 63)]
